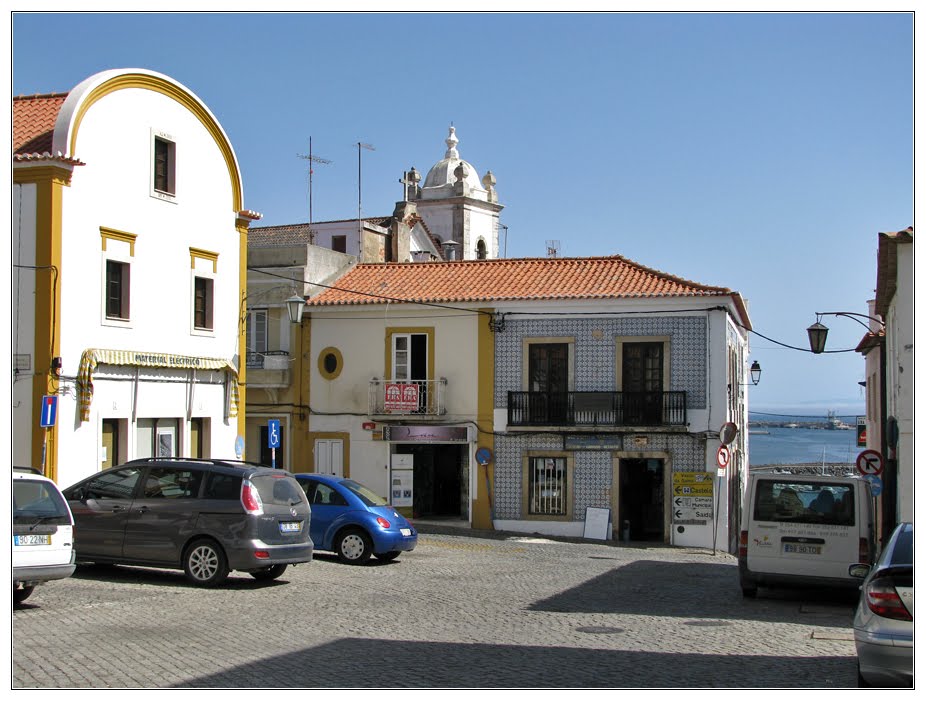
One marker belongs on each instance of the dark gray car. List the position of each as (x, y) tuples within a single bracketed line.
[(206, 517)]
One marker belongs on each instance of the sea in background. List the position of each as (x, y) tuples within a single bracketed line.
[(773, 445)]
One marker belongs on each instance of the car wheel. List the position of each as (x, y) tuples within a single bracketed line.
[(268, 573), (23, 593), (354, 546), (862, 684), (387, 557), (205, 563), (749, 592)]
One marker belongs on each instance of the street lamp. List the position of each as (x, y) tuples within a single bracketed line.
[(755, 371), (816, 332), (295, 305)]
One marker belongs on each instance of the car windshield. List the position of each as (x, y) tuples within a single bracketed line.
[(37, 501), (367, 495)]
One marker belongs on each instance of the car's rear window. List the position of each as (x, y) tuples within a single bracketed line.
[(367, 495), (37, 501), (903, 548), (278, 489), (793, 501)]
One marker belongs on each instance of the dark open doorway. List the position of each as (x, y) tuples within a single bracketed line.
[(642, 498), (438, 479)]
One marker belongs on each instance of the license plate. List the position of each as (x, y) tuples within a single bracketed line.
[(31, 540), (803, 549), (290, 526), (406, 531)]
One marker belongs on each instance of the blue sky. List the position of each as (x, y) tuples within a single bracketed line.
[(761, 152)]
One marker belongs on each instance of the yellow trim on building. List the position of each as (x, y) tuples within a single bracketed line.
[(484, 496), (107, 234), (208, 256), (241, 224), (330, 350), (175, 92), (50, 182)]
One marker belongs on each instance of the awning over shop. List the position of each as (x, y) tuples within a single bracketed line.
[(94, 356)]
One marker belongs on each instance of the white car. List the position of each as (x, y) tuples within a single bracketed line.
[(43, 533)]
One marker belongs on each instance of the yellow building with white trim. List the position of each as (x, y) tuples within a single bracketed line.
[(129, 259)]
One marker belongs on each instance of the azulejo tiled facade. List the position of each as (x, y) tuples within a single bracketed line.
[(594, 369), (595, 351)]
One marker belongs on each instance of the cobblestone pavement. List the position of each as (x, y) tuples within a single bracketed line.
[(463, 610)]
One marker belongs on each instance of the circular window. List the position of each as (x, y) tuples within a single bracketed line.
[(330, 363)]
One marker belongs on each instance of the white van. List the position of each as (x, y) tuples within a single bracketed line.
[(804, 530)]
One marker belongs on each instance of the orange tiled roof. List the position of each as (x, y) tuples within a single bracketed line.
[(34, 122), (512, 279)]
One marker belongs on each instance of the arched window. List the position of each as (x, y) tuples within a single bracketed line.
[(481, 250)]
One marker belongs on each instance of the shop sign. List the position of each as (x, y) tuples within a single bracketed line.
[(588, 442), (426, 434)]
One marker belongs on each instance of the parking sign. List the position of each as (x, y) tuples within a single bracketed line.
[(273, 433)]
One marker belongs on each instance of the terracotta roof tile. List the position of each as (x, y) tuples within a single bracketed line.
[(34, 122), (512, 279)]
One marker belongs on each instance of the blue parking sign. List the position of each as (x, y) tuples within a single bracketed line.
[(49, 411), (273, 433)]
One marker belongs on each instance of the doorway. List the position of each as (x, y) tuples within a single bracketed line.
[(641, 498), (439, 479)]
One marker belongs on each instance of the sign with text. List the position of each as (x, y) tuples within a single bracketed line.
[(692, 484), (400, 397)]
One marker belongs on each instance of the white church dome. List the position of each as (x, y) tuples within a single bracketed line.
[(445, 173)]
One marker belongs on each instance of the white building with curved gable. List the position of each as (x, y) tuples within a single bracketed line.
[(129, 247)]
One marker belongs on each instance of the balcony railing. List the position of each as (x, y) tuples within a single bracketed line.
[(268, 360), (408, 397), (600, 409)]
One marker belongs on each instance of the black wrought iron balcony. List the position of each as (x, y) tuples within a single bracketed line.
[(596, 409)]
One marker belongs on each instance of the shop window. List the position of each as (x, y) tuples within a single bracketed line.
[(547, 486)]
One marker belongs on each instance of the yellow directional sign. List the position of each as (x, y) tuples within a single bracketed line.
[(693, 490), (692, 478)]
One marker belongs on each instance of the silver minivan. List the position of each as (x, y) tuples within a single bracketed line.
[(206, 517), (804, 530)]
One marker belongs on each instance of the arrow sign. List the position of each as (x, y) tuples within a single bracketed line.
[(723, 456), (869, 462)]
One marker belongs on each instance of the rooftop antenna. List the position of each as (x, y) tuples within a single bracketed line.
[(360, 147), (312, 159), (553, 249)]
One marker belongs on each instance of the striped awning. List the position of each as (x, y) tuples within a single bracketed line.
[(92, 357)]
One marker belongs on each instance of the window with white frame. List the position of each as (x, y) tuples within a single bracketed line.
[(163, 166), (257, 337), (118, 251), (205, 266), (117, 290), (202, 303)]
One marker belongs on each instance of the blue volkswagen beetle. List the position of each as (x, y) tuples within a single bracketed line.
[(354, 521)]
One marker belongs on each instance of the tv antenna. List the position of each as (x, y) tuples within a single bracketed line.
[(360, 148), (553, 249), (312, 159)]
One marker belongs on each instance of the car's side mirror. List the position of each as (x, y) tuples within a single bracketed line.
[(859, 571)]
